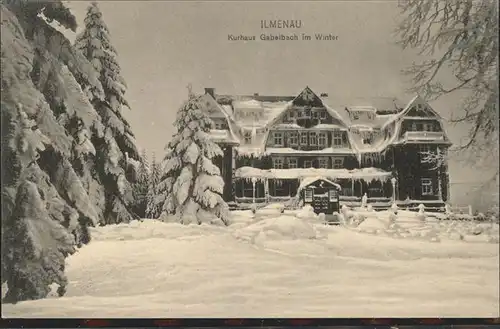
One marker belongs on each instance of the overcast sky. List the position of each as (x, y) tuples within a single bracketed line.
[(164, 45)]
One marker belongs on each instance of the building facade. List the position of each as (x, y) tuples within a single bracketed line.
[(380, 147)]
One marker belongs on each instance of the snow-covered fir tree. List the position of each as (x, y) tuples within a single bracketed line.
[(191, 186), (141, 186), (153, 209), (115, 147), (46, 208)]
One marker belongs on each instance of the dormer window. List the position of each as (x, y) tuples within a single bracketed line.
[(278, 139), (322, 114), (248, 137), (315, 115), (355, 115)]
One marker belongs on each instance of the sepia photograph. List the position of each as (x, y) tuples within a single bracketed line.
[(250, 159)]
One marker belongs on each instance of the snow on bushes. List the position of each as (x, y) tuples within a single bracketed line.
[(411, 225), (191, 187)]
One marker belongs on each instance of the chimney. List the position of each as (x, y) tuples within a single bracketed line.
[(255, 94), (324, 95), (210, 91)]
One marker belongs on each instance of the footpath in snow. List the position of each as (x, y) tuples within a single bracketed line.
[(282, 265)]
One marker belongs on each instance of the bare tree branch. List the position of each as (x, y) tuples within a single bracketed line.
[(460, 36)]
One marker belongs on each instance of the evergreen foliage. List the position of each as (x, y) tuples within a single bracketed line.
[(153, 209), (116, 149), (191, 186), (45, 207), (141, 186)]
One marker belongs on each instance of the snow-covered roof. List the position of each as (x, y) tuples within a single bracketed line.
[(365, 174), (326, 151), (309, 180), (259, 114), (361, 109), (222, 136), (214, 109)]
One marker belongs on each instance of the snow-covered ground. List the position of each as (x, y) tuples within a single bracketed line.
[(282, 265)]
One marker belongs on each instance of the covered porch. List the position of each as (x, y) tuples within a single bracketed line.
[(255, 185)]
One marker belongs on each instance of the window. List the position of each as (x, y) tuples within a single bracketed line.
[(278, 139), (430, 126), (424, 151), (424, 148), (277, 163), (370, 116), (299, 114), (248, 191), (248, 137), (313, 138), (292, 163), (323, 163), (332, 195), (308, 195), (303, 138), (413, 126), (308, 164), (322, 114), (367, 138), (293, 138), (280, 188), (337, 163), (355, 115), (426, 186), (322, 139), (420, 127), (337, 138), (218, 125), (308, 113), (315, 115)]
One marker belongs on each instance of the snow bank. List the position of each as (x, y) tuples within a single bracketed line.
[(278, 228), (150, 229), (294, 268), (411, 225)]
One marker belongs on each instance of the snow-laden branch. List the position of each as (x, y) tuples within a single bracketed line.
[(460, 36)]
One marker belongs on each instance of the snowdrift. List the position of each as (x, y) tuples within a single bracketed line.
[(274, 266)]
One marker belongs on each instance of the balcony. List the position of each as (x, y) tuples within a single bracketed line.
[(416, 136)]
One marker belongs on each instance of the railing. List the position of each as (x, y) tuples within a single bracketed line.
[(424, 135)]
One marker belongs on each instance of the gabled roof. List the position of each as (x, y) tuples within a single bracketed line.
[(306, 181), (414, 101), (308, 91), (219, 111), (265, 111)]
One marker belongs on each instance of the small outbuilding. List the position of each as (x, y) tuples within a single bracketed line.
[(321, 193)]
